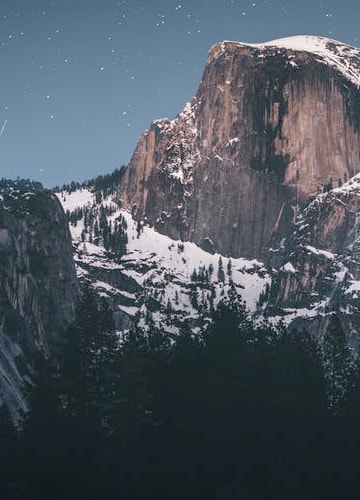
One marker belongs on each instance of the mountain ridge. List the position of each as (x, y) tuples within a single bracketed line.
[(331, 51)]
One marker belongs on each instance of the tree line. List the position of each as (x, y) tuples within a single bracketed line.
[(20, 185), (103, 185), (238, 411)]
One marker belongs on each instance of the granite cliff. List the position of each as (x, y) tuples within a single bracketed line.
[(316, 270), (270, 126), (38, 285)]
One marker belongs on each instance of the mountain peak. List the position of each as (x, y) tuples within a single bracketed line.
[(343, 57), (270, 125)]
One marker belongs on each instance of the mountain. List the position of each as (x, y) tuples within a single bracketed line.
[(38, 286), (251, 193), (259, 168), (269, 126), (251, 196)]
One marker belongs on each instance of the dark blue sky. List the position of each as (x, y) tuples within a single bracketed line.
[(81, 79)]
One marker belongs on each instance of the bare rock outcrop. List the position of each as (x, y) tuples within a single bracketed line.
[(38, 285), (269, 126), (320, 269)]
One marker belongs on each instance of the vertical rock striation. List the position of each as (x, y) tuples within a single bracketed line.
[(316, 271), (38, 285), (270, 125)]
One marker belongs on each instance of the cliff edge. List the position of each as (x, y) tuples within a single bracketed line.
[(38, 285), (270, 125)]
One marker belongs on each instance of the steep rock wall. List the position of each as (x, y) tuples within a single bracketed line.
[(318, 265), (38, 285), (267, 128)]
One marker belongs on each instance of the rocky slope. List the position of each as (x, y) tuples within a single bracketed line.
[(269, 125), (38, 285), (158, 280), (312, 273), (317, 268)]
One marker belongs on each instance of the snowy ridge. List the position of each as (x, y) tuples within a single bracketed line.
[(345, 58), (352, 186)]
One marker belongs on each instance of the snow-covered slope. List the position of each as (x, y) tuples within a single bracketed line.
[(312, 273), (171, 280)]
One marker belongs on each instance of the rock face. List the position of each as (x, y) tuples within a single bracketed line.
[(319, 263), (38, 285), (270, 125)]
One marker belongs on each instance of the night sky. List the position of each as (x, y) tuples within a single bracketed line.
[(81, 79)]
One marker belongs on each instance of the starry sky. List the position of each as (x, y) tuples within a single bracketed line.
[(82, 79)]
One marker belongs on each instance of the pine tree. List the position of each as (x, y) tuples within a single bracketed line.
[(42, 433), (229, 270), (221, 273), (211, 269), (9, 451), (194, 296), (338, 362), (168, 308), (42, 397), (90, 371)]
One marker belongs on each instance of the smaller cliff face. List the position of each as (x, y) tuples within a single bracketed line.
[(38, 285), (270, 125), (319, 264)]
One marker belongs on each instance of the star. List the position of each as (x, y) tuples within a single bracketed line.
[(124, 44)]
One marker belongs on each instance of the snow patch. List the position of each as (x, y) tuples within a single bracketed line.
[(288, 268), (324, 253), (76, 199), (345, 58)]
